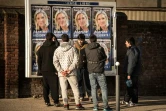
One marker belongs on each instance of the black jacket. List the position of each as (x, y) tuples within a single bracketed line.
[(96, 58), (132, 62), (45, 57), (82, 63)]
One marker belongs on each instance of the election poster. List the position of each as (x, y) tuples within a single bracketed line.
[(102, 22), (81, 21), (36, 44), (40, 21), (61, 21)]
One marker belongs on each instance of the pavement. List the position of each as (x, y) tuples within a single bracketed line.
[(146, 103)]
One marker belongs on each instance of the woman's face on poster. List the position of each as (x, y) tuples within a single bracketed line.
[(82, 20), (41, 20), (101, 20), (61, 19)]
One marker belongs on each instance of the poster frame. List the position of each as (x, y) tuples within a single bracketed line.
[(28, 29)]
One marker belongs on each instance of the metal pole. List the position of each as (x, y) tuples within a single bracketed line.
[(117, 88)]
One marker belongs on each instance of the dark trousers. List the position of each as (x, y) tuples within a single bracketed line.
[(50, 84), (132, 92), (83, 82)]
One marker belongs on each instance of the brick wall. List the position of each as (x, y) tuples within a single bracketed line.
[(150, 37), (2, 64), (11, 45)]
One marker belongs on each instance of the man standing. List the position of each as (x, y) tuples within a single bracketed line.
[(66, 60), (48, 71), (96, 58), (131, 69), (82, 71)]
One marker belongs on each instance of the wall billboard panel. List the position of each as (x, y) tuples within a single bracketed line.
[(72, 18)]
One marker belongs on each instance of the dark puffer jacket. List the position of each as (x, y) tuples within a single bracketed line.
[(96, 57)]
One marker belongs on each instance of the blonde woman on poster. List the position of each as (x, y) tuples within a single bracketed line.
[(101, 23), (101, 20), (41, 20), (81, 21), (61, 21)]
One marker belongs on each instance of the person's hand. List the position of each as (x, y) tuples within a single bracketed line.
[(68, 71), (128, 77), (63, 73)]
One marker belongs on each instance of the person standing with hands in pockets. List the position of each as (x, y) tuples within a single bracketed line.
[(96, 58), (82, 71)]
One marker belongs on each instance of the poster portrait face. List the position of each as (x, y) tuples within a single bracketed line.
[(101, 20), (40, 21), (81, 21), (101, 23), (61, 21)]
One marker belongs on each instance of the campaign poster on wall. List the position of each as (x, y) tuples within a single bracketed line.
[(106, 44), (102, 22), (40, 21), (61, 21), (81, 21), (36, 44)]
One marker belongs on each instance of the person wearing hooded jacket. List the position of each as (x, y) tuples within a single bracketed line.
[(96, 58), (48, 71), (65, 60), (82, 71)]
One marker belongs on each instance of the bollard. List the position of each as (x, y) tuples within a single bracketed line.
[(117, 88)]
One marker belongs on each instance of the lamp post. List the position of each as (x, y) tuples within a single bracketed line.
[(117, 88)]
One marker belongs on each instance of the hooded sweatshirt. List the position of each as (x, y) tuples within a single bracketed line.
[(96, 58), (65, 57), (45, 56)]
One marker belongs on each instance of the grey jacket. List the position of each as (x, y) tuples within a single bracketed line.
[(96, 58), (132, 61)]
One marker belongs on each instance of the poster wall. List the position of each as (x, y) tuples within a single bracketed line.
[(71, 18)]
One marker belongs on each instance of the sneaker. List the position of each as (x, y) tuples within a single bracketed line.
[(107, 109), (57, 104), (124, 102), (95, 109), (81, 98), (79, 107), (66, 106), (132, 104), (48, 104)]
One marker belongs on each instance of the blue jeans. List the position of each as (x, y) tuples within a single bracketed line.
[(83, 82), (100, 78)]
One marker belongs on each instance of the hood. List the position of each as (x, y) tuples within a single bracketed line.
[(79, 47), (48, 43), (65, 46), (93, 45)]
